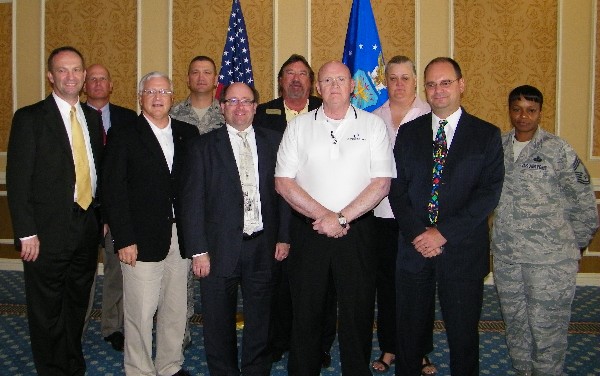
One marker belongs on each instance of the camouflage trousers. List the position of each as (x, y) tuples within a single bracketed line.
[(536, 307), (191, 300)]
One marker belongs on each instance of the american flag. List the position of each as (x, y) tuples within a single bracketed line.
[(235, 64)]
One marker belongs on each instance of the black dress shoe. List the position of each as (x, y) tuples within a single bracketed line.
[(182, 372), (325, 360), (276, 355), (117, 341)]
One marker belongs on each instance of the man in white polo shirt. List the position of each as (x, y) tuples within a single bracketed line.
[(334, 165)]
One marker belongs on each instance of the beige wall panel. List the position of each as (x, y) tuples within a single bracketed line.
[(502, 44), (200, 28), (6, 105), (104, 32), (29, 73), (395, 23)]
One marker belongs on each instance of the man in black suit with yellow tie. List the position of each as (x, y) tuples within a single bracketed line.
[(53, 160), (232, 229), (441, 198)]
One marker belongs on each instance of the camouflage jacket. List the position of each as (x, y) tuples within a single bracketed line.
[(547, 210), (213, 118)]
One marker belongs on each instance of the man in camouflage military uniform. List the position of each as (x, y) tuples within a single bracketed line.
[(547, 213), (202, 110)]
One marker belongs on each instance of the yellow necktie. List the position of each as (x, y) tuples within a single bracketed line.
[(83, 184)]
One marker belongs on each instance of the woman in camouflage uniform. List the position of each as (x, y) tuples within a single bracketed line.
[(547, 213)]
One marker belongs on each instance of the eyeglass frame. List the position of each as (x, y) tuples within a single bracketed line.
[(244, 102), (443, 84), (153, 92)]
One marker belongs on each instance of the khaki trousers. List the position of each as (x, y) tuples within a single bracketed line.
[(161, 288)]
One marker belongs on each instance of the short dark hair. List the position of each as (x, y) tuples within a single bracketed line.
[(58, 50), (528, 92), (223, 95), (444, 59), (400, 59), (202, 58), (294, 58)]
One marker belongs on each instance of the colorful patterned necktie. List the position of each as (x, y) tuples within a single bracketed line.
[(248, 179), (83, 183), (440, 151)]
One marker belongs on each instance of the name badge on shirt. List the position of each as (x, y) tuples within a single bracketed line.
[(273, 111)]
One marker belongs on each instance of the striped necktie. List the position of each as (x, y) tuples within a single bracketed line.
[(440, 151)]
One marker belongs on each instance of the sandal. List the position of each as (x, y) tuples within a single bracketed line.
[(381, 363), (428, 368)]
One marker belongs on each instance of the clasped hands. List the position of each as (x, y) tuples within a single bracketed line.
[(430, 243), (329, 225)]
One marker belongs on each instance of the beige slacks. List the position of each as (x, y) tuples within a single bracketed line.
[(161, 288)]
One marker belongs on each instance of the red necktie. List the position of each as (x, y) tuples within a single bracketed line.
[(102, 127)]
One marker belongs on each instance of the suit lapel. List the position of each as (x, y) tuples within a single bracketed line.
[(425, 149), (57, 126), (263, 151), (148, 138), (460, 139), (92, 118), (225, 153)]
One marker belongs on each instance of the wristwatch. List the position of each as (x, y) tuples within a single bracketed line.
[(342, 220)]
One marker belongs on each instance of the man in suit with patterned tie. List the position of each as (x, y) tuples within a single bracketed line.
[(233, 231), (98, 88), (139, 198), (53, 160), (441, 198)]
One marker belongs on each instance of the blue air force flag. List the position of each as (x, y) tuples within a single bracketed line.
[(364, 56), (235, 63)]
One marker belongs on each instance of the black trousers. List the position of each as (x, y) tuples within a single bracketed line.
[(57, 289), (281, 313), (350, 263), (461, 302), (386, 249), (219, 307)]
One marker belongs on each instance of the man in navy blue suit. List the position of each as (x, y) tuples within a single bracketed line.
[(443, 220), (235, 228)]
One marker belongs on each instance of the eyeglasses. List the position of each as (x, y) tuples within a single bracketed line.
[(444, 84), (235, 101), (161, 92), (97, 79), (328, 81)]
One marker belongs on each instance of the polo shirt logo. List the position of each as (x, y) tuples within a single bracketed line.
[(356, 137)]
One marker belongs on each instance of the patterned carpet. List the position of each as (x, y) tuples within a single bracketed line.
[(583, 356)]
